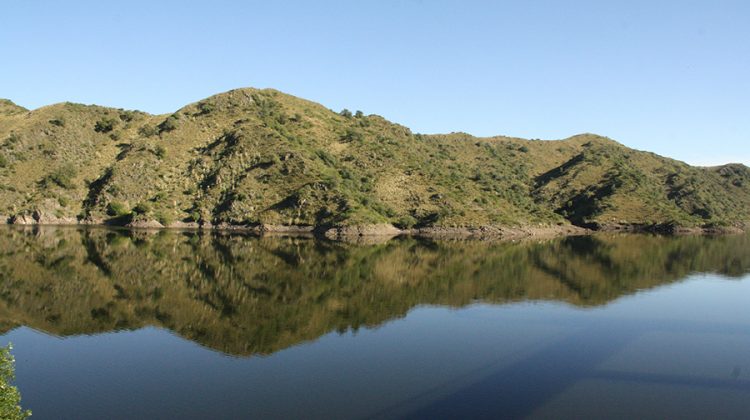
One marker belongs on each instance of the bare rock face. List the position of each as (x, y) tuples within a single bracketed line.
[(183, 225), (23, 219), (94, 221), (46, 218), (381, 229), (483, 232), (145, 224), (498, 232), (283, 229), (47, 215)]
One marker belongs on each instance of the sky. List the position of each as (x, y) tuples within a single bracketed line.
[(672, 77)]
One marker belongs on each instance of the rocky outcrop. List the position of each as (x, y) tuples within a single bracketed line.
[(38, 217), (668, 228), (283, 229), (145, 224), (22, 219), (183, 225), (382, 229), (377, 233), (499, 232)]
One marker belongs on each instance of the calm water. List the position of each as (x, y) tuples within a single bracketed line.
[(116, 324)]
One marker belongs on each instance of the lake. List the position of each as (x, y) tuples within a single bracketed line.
[(127, 324)]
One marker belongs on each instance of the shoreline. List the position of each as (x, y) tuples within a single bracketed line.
[(387, 231)]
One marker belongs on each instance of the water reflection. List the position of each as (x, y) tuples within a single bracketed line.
[(244, 295)]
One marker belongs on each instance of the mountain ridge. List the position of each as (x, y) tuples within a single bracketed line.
[(261, 159)]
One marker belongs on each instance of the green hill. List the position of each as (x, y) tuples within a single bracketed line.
[(261, 158)]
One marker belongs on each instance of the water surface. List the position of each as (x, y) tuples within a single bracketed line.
[(122, 324)]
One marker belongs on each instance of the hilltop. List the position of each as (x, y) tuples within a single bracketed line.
[(265, 160)]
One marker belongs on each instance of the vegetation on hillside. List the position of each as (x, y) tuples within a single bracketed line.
[(260, 157)]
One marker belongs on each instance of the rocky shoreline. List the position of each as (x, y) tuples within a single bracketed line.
[(384, 230)]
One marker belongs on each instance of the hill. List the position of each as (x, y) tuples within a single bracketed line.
[(266, 160)]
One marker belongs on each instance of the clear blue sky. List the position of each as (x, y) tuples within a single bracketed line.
[(671, 77)]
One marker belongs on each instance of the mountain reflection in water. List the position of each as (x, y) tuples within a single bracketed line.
[(243, 295)]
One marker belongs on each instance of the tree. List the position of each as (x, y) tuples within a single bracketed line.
[(10, 398), (346, 113), (359, 114)]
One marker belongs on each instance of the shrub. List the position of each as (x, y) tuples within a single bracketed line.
[(127, 116), (141, 208), (105, 125), (14, 138), (148, 130), (160, 196), (116, 208), (405, 222), (351, 134), (3, 161), (359, 114), (63, 176), (345, 173), (160, 152), (169, 124), (195, 216), (60, 122), (326, 157), (205, 108), (165, 219), (346, 113)]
